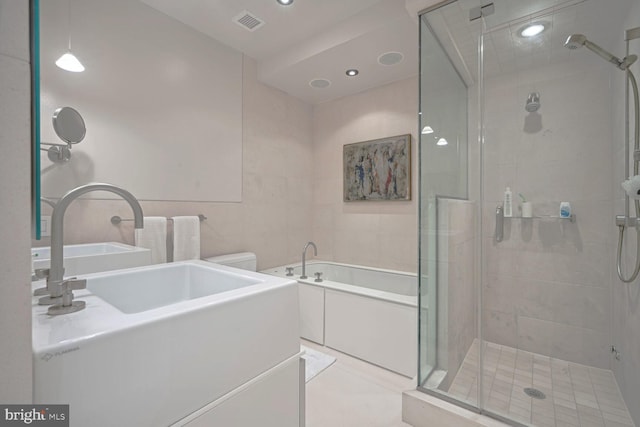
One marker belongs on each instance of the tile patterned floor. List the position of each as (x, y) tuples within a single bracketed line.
[(353, 393), (576, 395)]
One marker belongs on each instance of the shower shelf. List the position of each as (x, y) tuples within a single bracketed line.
[(572, 218)]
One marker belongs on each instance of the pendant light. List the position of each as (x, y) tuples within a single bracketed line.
[(68, 61)]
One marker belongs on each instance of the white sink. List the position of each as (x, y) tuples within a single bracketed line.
[(146, 289), (94, 257), (157, 343)]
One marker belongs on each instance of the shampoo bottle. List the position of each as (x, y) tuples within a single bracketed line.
[(508, 203)]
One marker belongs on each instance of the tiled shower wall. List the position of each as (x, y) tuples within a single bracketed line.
[(626, 297), (456, 293), (546, 287)]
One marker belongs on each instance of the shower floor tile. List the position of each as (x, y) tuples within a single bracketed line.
[(574, 394)]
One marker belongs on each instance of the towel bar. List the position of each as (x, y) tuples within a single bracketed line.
[(115, 220)]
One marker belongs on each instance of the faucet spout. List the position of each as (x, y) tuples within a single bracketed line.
[(55, 282), (304, 256)]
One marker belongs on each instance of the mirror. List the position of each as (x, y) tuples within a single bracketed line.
[(69, 125), (163, 106)]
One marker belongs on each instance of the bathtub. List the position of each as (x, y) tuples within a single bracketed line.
[(366, 312)]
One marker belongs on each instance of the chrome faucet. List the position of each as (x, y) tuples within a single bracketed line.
[(60, 290), (304, 256)]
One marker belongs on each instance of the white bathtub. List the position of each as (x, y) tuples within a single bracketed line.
[(366, 312)]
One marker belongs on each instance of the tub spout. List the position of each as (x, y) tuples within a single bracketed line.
[(304, 257)]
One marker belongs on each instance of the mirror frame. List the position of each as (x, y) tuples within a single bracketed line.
[(34, 54)]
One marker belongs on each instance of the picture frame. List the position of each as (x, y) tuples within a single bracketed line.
[(377, 170)]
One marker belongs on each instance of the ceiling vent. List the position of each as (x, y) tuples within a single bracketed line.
[(248, 21)]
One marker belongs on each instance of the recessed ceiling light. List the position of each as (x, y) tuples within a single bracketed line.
[(532, 29), (442, 141), (285, 2), (352, 72)]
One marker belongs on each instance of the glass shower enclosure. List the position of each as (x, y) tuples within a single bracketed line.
[(518, 314)]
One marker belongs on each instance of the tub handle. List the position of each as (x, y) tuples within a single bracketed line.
[(318, 277), (289, 271)]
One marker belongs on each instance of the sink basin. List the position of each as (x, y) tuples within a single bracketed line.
[(142, 290), (94, 257), (158, 343)]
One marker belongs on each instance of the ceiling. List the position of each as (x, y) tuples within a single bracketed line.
[(321, 39), (311, 39), (506, 52)]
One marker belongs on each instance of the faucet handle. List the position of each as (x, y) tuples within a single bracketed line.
[(40, 273), (318, 276), (73, 283), (289, 271)]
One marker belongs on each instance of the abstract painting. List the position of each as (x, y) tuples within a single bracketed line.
[(379, 169)]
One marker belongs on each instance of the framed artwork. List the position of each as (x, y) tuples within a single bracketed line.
[(379, 169)]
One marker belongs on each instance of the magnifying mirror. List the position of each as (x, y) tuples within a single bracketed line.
[(69, 126)]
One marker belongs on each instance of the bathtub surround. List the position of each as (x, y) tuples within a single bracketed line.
[(366, 312), (15, 196)]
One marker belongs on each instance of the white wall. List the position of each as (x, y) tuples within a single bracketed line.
[(15, 184), (274, 218), (381, 234), (159, 99)]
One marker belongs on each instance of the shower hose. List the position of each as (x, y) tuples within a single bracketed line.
[(636, 163)]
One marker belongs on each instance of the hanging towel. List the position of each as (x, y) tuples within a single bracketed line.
[(186, 238), (154, 237)]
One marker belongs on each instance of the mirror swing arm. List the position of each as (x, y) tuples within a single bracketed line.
[(57, 153)]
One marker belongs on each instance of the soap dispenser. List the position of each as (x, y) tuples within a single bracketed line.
[(508, 203)]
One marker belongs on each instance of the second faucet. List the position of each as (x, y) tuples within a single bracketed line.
[(304, 256)]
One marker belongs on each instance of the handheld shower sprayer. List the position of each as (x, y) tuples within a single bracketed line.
[(575, 41)]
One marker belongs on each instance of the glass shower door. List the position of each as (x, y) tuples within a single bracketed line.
[(446, 258)]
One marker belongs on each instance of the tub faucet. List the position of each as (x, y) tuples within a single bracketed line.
[(304, 256), (60, 290)]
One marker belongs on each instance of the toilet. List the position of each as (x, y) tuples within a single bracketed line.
[(242, 260)]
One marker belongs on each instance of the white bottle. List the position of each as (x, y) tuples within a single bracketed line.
[(565, 210), (508, 203)]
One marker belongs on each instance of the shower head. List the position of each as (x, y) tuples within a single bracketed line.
[(575, 41), (533, 102)]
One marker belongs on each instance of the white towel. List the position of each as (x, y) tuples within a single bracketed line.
[(186, 238), (154, 237)]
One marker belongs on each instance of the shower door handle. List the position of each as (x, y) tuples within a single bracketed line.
[(499, 234)]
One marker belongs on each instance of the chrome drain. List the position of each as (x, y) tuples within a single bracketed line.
[(535, 393)]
